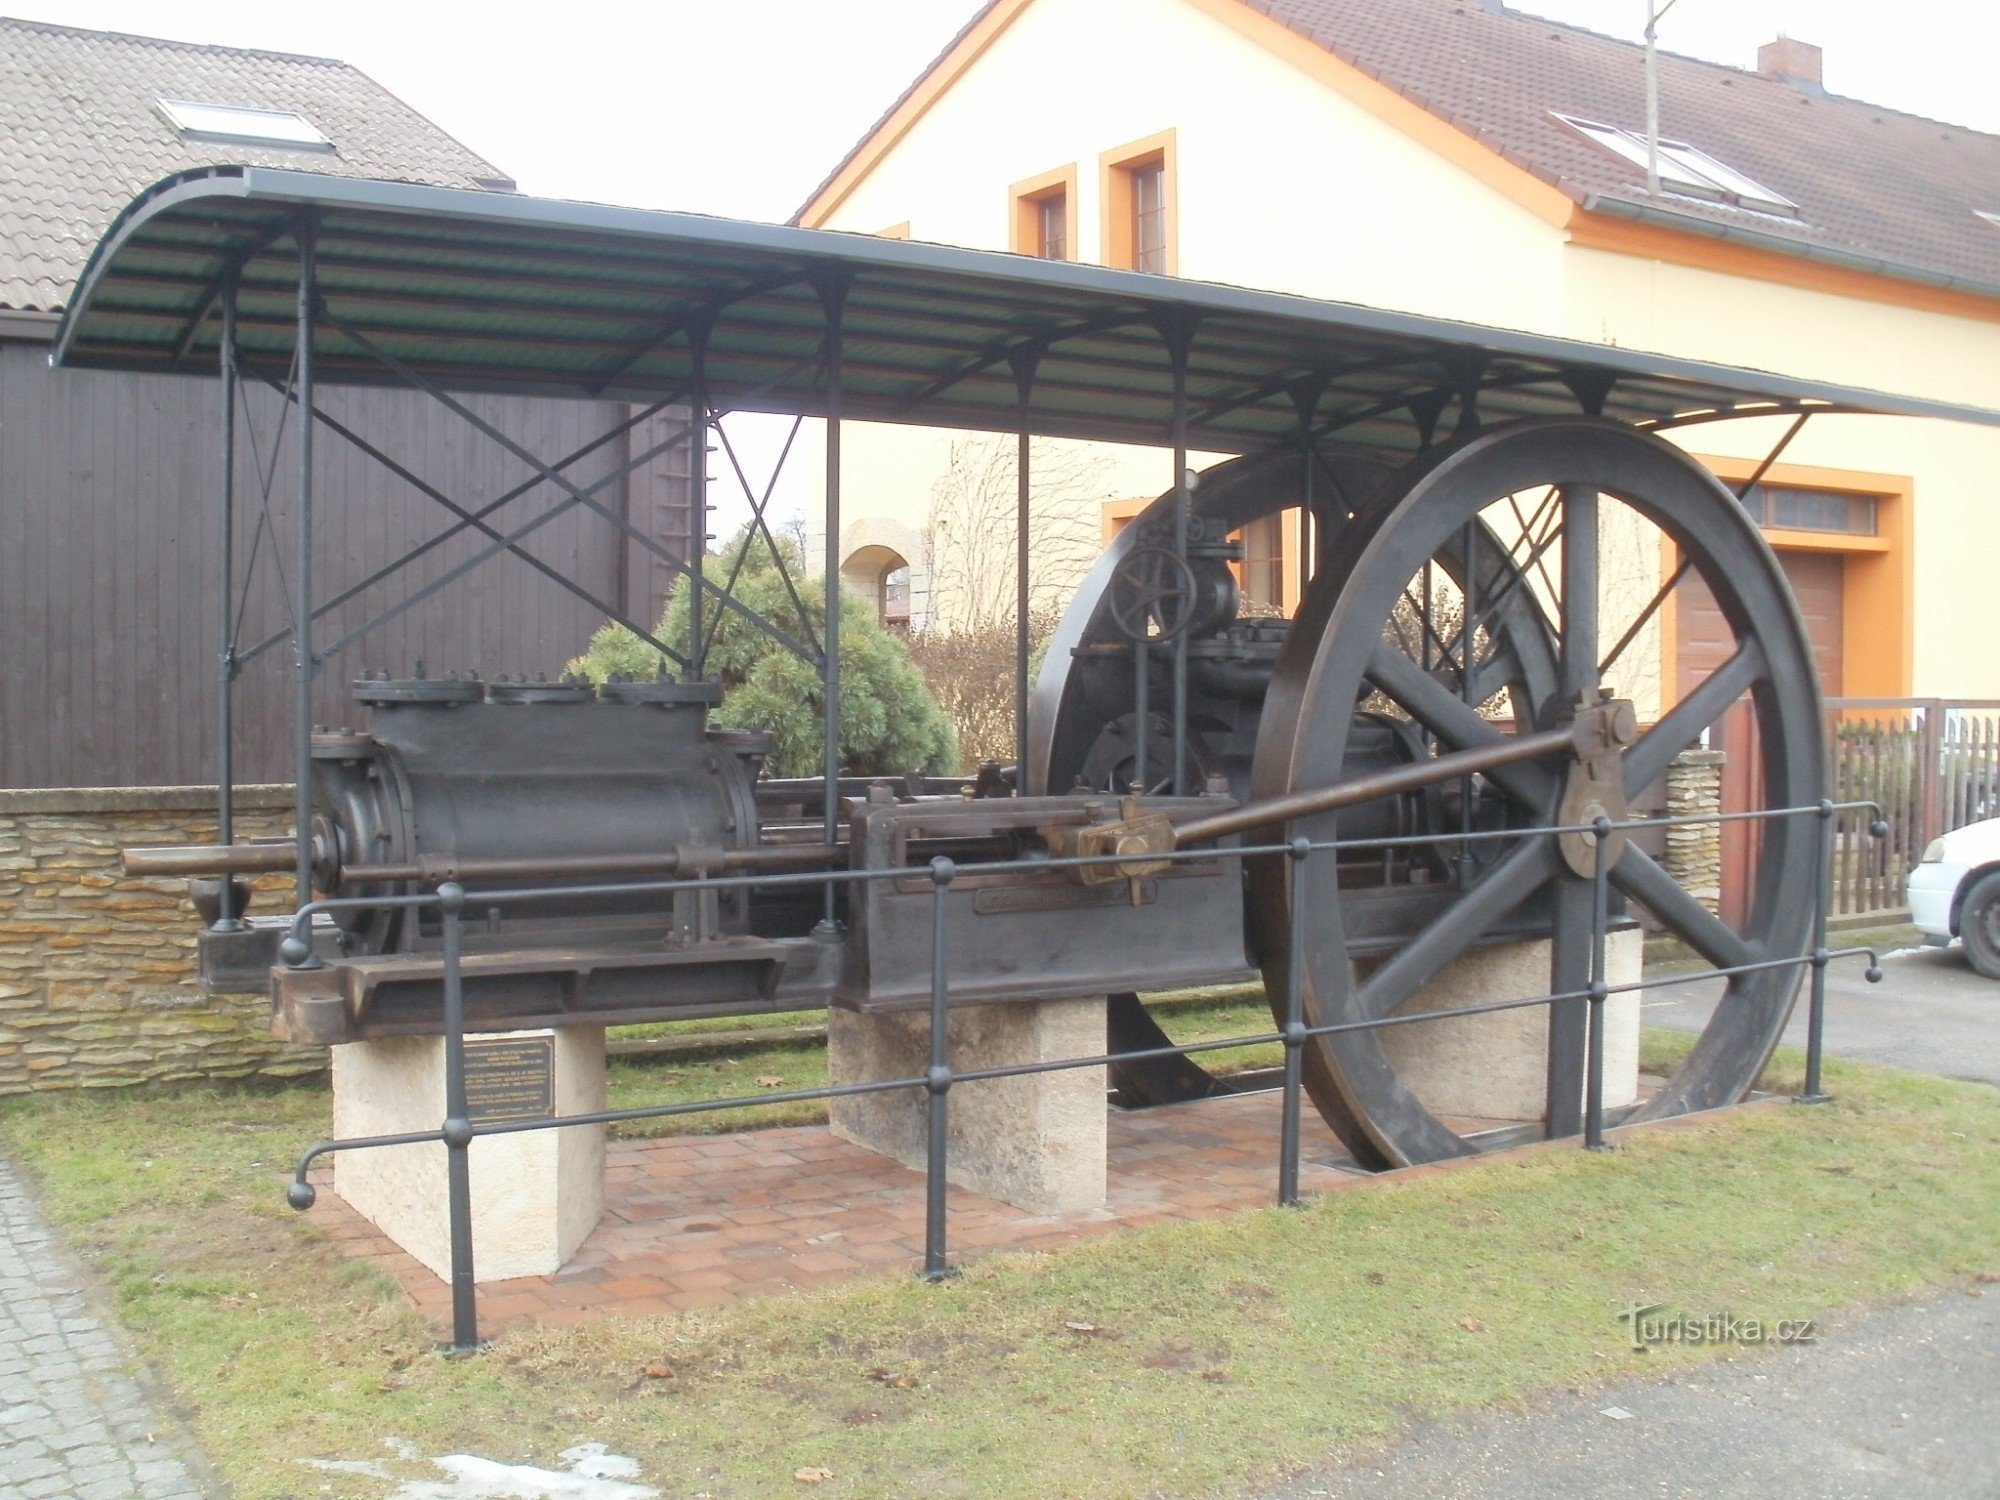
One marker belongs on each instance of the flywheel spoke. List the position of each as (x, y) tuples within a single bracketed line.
[(1457, 723), (1639, 876), (1516, 877), (1682, 725)]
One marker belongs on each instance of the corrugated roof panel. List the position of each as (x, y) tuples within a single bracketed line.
[(482, 292)]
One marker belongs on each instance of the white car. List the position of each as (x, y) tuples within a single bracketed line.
[(1955, 893)]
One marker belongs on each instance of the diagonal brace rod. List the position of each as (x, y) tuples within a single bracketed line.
[(389, 569), (1687, 558), (453, 574), (757, 509), (486, 529), (750, 537), (417, 382)]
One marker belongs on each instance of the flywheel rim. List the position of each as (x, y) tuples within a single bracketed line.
[(1320, 677)]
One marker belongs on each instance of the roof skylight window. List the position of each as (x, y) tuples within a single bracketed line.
[(1684, 168), (233, 122)]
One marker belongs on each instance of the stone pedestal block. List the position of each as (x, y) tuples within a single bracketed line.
[(1495, 1066), (1037, 1142), (535, 1194)]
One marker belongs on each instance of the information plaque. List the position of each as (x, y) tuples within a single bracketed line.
[(510, 1078)]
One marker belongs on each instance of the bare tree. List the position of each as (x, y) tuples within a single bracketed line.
[(970, 532), (966, 648)]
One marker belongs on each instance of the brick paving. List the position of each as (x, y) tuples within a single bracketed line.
[(706, 1220), (702, 1221), (74, 1421)]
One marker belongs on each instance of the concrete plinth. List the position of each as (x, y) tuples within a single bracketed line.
[(535, 1194), (1037, 1142), (1496, 1066)]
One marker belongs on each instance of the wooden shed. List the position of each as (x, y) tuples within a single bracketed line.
[(110, 484)]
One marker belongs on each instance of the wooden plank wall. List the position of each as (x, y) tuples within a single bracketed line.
[(109, 497)]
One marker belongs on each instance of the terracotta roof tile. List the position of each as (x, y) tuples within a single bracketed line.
[(80, 136), (1874, 185), (1871, 183)]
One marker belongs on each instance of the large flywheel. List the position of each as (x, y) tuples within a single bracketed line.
[(1083, 721), (1407, 618), (1495, 585)]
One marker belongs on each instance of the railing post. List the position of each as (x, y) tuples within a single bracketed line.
[(457, 1127), (937, 1080), (1814, 1092), (1600, 917), (1295, 1030)]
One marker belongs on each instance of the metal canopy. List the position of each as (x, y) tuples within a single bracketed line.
[(483, 291)]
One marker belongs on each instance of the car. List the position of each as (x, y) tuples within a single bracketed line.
[(1955, 893)]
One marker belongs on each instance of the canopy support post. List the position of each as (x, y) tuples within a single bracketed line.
[(226, 917), (302, 620), (1024, 361), (833, 299), (1306, 396), (698, 416), (1180, 338)]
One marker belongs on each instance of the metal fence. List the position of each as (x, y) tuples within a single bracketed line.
[(1931, 764), (458, 1130)]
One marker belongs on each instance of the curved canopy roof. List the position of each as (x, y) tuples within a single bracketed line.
[(481, 291)]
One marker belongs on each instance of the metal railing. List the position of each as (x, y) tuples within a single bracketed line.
[(458, 1130)]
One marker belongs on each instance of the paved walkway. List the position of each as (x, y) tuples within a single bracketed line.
[(74, 1422), (1896, 1404), (1930, 1013)]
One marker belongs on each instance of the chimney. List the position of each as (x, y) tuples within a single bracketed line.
[(1791, 61)]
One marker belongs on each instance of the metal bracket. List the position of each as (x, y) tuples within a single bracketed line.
[(1595, 785), (1137, 837)]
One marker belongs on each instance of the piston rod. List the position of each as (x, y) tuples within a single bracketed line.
[(266, 859), (1267, 811)]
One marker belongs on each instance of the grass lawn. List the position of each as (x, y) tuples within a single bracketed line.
[(1177, 1361)]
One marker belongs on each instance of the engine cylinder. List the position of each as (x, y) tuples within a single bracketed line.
[(543, 774)]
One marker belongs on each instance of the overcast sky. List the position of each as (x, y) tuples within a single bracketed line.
[(741, 108)]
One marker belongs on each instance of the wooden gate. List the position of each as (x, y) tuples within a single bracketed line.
[(1932, 763)]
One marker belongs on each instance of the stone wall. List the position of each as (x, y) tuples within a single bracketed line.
[(97, 971), (1694, 850)]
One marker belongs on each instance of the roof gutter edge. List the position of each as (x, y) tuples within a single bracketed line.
[(195, 181), (1624, 208), (29, 324)]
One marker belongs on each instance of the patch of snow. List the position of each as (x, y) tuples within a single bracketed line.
[(594, 1474)]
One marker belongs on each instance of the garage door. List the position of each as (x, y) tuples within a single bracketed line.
[(1703, 641)]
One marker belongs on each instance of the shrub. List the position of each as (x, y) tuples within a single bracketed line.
[(889, 721)]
